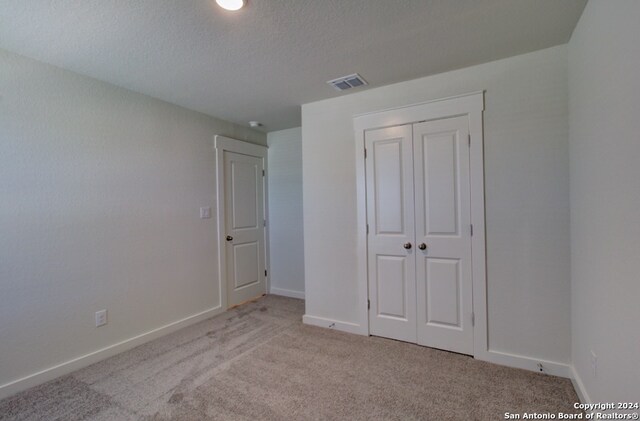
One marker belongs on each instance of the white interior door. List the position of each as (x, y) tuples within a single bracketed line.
[(244, 227), (390, 216), (443, 234), (419, 241)]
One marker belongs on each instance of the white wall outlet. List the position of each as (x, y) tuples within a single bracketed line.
[(594, 363), (205, 212), (101, 318)]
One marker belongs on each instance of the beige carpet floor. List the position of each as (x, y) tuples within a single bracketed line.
[(259, 362)]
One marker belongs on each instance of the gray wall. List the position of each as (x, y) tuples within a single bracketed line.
[(527, 197), (285, 213), (604, 86), (100, 190)]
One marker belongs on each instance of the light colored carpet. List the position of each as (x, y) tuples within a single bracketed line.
[(259, 362)]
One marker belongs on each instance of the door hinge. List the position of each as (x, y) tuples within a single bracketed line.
[(473, 319), (365, 153), (264, 222), (368, 304), (263, 173), (265, 272), (367, 228), (469, 137), (471, 229)]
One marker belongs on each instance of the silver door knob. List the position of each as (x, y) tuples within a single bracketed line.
[(422, 246), (407, 246), (229, 238)]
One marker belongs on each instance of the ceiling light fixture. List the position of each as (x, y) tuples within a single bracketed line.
[(230, 4)]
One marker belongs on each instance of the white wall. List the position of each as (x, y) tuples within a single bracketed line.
[(527, 197), (100, 190), (286, 239), (604, 86)]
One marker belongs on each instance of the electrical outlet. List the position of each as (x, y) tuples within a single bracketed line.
[(594, 363), (205, 213), (101, 318)]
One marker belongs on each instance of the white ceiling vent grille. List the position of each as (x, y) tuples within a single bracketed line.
[(347, 82)]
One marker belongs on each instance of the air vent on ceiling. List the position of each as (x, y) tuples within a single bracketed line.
[(347, 82)]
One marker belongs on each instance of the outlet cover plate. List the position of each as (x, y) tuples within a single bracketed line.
[(101, 318)]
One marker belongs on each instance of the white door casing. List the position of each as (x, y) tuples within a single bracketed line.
[(443, 229), (469, 107), (242, 215), (392, 286)]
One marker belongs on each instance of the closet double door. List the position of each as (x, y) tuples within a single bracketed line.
[(419, 233)]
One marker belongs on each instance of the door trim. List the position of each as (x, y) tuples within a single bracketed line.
[(222, 144), (471, 105)]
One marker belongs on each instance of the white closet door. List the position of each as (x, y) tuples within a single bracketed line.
[(244, 229), (443, 229), (390, 217)]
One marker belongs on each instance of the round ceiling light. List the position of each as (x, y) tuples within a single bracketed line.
[(230, 4)]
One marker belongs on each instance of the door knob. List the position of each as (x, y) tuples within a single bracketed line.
[(422, 246), (229, 238), (407, 245)]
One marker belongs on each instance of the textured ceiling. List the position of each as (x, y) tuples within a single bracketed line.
[(262, 62)]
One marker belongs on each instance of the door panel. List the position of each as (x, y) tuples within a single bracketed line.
[(244, 179), (392, 288), (443, 292), (443, 222), (391, 284), (439, 156), (244, 265), (387, 156), (244, 213)]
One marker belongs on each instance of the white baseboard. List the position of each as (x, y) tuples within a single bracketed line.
[(579, 386), (67, 367), (287, 293), (526, 363), (334, 324), (496, 357)]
